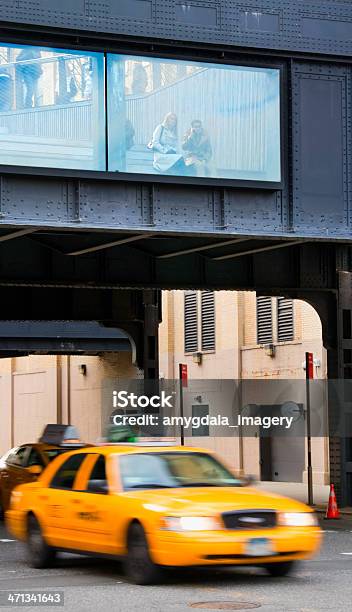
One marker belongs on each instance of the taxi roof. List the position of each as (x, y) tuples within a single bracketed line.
[(65, 446), (44, 446), (114, 449)]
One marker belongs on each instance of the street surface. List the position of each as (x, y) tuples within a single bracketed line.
[(91, 584)]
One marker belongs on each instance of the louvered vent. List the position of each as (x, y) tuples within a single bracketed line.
[(264, 320), (208, 320), (191, 322), (284, 319)]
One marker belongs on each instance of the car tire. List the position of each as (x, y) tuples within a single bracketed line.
[(138, 565), (280, 569), (39, 552)]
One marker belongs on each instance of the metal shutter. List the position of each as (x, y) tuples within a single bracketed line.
[(284, 319), (191, 322), (208, 320), (264, 320)]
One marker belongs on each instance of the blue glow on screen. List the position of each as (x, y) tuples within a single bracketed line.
[(52, 108), (169, 117), (165, 117)]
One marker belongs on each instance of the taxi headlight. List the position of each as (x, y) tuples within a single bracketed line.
[(191, 523), (298, 519), (15, 498)]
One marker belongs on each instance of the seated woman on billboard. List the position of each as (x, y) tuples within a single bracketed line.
[(164, 143)]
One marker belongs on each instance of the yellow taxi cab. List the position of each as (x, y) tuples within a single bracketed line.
[(158, 507), (26, 462)]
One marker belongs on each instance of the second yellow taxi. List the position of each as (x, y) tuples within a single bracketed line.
[(26, 462), (158, 507)]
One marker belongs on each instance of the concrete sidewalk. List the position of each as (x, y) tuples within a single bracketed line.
[(297, 490)]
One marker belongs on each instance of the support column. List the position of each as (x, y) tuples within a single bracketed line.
[(329, 305), (336, 319), (138, 312), (151, 303), (335, 442), (341, 447)]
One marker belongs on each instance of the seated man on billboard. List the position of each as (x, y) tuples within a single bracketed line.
[(197, 150)]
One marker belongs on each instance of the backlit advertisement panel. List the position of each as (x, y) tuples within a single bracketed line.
[(168, 117), (52, 108)]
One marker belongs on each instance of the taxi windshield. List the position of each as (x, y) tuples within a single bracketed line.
[(54, 452), (170, 470)]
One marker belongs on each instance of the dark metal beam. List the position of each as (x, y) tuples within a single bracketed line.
[(108, 245), (258, 250), (17, 234), (204, 247)]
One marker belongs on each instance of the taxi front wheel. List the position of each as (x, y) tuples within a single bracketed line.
[(40, 554), (138, 565), (280, 569)]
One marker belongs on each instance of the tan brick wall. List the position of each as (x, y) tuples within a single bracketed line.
[(49, 389), (236, 340), (221, 363), (238, 355), (86, 391), (5, 404), (167, 335), (298, 309), (310, 321), (289, 356)]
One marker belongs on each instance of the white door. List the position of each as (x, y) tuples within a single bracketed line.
[(287, 456)]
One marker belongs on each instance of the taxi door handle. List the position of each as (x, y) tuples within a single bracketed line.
[(75, 501)]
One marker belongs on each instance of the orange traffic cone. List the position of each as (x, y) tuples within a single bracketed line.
[(332, 511)]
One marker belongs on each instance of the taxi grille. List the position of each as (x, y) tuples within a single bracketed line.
[(249, 519)]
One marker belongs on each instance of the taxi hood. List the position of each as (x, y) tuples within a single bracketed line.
[(215, 500)]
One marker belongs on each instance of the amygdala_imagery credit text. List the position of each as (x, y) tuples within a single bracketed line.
[(124, 399)]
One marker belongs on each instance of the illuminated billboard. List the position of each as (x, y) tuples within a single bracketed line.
[(52, 108), (164, 117), (180, 118)]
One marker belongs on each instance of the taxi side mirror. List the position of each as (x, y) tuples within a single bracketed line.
[(250, 480), (98, 486), (35, 470)]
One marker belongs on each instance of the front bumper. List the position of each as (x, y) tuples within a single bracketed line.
[(16, 523), (229, 547)]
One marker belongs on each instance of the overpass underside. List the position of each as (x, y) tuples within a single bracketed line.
[(115, 278), (53, 274)]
